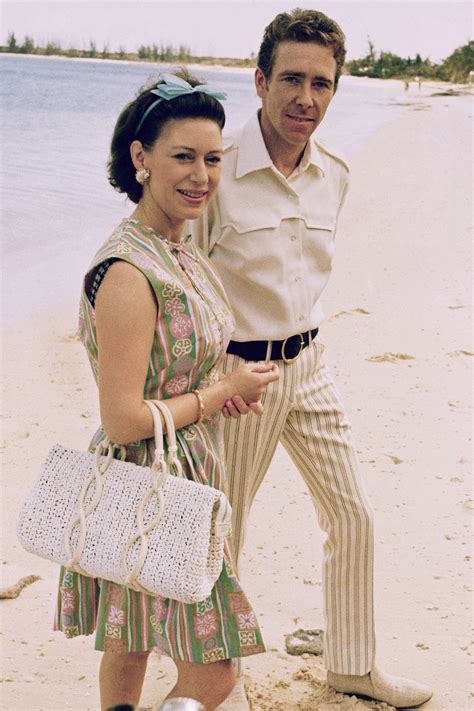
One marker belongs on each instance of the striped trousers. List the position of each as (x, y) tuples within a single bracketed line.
[(303, 412)]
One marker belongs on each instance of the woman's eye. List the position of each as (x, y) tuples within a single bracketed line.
[(215, 160), (183, 156)]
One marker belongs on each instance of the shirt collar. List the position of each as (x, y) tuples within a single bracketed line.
[(253, 154)]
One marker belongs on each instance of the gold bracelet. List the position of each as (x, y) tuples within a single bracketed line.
[(201, 406)]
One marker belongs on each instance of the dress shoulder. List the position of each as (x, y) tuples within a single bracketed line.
[(135, 244)]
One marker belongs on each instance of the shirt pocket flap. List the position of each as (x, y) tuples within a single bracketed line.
[(251, 221), (320, 223)]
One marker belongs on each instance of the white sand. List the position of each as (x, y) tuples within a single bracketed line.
[(403, 256)]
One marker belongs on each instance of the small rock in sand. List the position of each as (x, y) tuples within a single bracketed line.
[(304, 642), (395, 460)]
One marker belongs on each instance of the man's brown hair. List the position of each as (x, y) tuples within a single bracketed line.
[(301, 26)]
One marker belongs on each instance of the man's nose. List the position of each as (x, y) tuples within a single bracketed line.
[(305, 96)]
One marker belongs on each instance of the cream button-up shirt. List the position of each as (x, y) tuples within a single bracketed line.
[(271, 238)]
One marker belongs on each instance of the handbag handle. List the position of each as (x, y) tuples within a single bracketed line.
[(170, 433)]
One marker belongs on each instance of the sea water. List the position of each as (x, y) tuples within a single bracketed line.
[(57, 118)]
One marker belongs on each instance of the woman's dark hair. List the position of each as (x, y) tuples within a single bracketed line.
[(301, 26), (121, 171)]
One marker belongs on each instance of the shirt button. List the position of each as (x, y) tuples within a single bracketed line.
[(297, 278), (300, 318), (293, 238)]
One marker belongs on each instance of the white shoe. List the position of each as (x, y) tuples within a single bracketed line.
[(377, 684), (237, 699)]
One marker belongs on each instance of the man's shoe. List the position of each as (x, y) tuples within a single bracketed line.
[(394, 690), (237, 699)]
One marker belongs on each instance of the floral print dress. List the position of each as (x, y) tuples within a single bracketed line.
[(193, 328)]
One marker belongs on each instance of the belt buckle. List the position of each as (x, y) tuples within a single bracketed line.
[(286, 360)]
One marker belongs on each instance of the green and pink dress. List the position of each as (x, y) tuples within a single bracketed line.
[(193, 327)]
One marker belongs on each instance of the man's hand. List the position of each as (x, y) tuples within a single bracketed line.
[(237, 407)]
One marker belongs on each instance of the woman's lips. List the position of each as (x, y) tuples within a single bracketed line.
[(193, 196)]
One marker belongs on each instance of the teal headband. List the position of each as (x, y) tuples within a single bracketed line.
[(173, 87)]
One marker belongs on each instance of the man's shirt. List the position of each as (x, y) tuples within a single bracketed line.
[(272, 238)]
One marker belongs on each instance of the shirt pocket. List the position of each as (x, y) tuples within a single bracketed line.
[(319, 244)]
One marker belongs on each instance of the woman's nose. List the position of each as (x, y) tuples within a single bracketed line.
[(199, 172)]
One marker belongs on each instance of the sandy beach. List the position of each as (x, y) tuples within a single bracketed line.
[(398, 339)]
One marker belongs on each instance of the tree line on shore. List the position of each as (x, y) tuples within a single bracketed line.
[(146, 53), (458, 67)]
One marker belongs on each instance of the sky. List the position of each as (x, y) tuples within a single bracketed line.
[(233, 28)]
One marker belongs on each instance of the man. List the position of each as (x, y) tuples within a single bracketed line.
[(270, 233)]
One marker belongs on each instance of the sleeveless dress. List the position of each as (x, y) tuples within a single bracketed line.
[(193, 327)]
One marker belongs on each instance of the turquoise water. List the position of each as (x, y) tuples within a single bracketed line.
[(56, 122)]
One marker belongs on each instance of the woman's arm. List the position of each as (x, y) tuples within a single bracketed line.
[(125, 321)]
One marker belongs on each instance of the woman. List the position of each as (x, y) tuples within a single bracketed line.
[(155, 322)]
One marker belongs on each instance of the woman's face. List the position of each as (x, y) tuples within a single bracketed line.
[(185, 167)]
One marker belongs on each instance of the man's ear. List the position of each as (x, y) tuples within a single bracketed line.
[(260, 83), (137, 154)]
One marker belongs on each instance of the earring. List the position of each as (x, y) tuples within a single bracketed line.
[(142, 175)]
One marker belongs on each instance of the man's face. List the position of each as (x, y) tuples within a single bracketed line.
[(297, 94)]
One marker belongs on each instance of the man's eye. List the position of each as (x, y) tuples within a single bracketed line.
[(292, 80), (321, 85)]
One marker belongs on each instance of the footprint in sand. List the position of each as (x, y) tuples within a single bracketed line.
[(71, 338), (458, 354), (390, 357), (14, 590), (358, 310)]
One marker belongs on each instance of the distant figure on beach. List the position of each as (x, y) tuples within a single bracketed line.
[(418, 81), (270, 234), (155, 322), (406, 84)]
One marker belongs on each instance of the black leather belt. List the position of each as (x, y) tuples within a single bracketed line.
[(287, 350)]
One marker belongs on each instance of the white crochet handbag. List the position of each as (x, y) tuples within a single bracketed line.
[(138, 526)]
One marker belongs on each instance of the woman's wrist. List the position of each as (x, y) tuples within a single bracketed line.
[(215, 396), (201, 407)]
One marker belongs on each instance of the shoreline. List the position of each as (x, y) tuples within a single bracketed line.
[(370, 81), (392, 291)]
